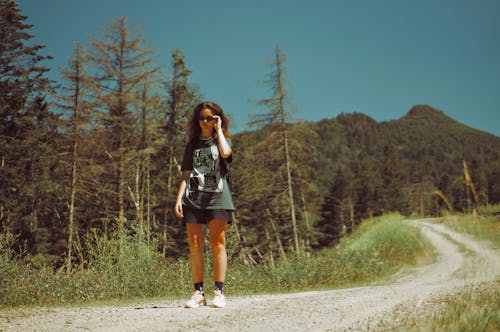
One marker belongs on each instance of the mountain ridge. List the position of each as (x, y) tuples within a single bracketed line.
[(428, 113), (423, 149)]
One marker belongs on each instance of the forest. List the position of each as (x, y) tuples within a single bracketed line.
[(98, 153)]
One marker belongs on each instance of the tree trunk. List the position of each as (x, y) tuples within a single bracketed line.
[(121, 183), (306, 217), (281, 92), (290, 196), (276, 234), (271, 255), (121, 155), (169, 186), (148, 204), (72, 201), (143, 157), (351, 213), (2, 165)]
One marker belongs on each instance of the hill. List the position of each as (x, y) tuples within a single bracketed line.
[(424, 145), (425, 125), (352, 167)]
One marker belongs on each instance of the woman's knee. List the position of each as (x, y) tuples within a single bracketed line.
[(218, 243), (218, 236), (196, 243), (195, 238)]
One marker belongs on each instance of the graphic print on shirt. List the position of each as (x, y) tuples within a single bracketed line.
[(205, 176)]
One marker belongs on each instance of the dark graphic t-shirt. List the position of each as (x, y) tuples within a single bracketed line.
[(207, 186)]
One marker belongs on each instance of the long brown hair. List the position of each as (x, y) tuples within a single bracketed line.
[(193, 126)]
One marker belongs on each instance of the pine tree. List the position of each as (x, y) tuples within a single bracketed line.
[(277, 117), (331, 221), (122, 65), (148, 109), (181, 96), (391, 184), (74, 100), (25, 121)]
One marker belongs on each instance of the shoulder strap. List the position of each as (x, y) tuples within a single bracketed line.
[(193, 142)]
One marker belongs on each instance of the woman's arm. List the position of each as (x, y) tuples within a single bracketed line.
[(224, 147), (182, 187)]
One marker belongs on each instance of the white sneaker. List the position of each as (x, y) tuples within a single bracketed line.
[(196, 300), (219, 299)]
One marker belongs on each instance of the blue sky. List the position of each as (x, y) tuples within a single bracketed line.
[(375, 57)]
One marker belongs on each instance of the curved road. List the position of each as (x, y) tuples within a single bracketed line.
[(462, 261)]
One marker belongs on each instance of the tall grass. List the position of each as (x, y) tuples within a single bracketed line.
[(130, 269), (489, 209), (475, 309), (377, 249), (117, 269), (485, 226)]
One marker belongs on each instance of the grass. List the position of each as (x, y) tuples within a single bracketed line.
[(376, 250), (135, 271), (489, 209), (475, 308), (483, 226)]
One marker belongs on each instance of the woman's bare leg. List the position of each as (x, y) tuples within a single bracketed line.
[(218, 243), (195, 238)]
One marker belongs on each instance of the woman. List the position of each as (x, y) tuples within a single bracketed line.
[(204, 196)]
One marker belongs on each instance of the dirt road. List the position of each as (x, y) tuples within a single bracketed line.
[(462, 261)]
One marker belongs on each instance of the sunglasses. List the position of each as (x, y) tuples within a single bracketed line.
[(203, 118)]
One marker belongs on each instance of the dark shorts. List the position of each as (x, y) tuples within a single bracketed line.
[(195, 216)]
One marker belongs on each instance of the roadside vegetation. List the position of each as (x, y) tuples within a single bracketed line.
[(485, 225), (377, 249), (473, 309), (476, 308)]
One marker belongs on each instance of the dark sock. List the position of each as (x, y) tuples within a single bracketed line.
[(219, 285), (198, 286)]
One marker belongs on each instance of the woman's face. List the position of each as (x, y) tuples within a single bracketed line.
[(205, 119)]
